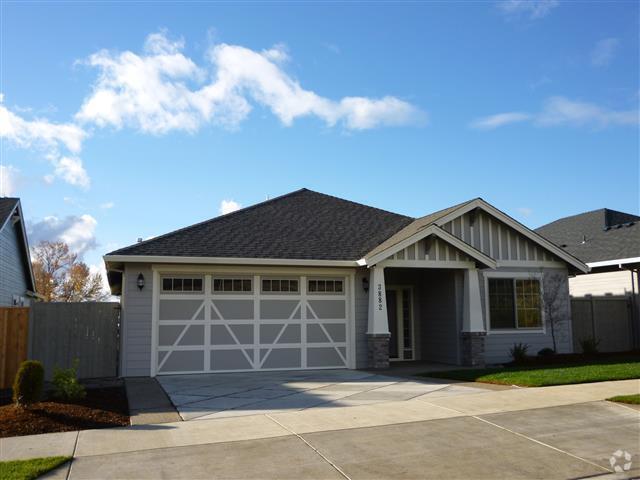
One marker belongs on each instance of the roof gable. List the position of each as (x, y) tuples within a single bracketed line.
[(9, 208), (300, 225), (487, 230)]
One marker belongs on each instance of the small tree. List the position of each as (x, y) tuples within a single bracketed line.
[(554, 298), (61, 277)]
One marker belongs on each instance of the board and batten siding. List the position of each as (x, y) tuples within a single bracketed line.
[(13, 274), (496, 239), (431, 249), (136, 322), (498, 344)]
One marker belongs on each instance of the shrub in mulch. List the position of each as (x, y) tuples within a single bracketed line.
[(101, 408)]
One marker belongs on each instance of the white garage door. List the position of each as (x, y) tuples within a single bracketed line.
[(226, 323)]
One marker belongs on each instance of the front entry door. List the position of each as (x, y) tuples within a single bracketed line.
[(400, 315)]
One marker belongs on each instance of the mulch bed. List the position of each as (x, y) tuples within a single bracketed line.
[(101, 408)]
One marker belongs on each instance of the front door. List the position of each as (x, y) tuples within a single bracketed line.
[(400, 315)]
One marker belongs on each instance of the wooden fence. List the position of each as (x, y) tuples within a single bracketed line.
[(14, 334), (608, 319), (62, 332)]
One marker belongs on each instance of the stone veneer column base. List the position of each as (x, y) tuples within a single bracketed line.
[(378, 350), (473, 349)]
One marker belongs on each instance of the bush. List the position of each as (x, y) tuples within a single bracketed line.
[(589, 346), (546, 352), (519, 352), (65, 383), (28, 384)]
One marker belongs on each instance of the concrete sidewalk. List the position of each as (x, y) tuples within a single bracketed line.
[(570, 441), (262, 426)]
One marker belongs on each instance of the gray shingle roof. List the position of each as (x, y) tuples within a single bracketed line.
[(596, 236), (300, 225), (7, 204), (414, 227)]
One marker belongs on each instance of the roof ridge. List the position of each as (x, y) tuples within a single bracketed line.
[(357, 203), (212, 220)]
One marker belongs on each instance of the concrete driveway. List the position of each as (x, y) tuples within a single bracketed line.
[(206, 397)]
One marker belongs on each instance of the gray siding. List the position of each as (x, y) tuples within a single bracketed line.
[(13, 274), (497, 345), (362, 315), (136, 322)]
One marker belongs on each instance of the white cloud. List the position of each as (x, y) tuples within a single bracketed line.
[(9, 179), (76, 231), (70, 169), (604, 51), (162, 90), (499, 120), (51, 138), (107, 205), (228, 206), (525, 211), (561, 111), (532, 9)]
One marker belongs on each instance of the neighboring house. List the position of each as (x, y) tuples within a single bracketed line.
[(608, 241), (17, 285), (307, 281)]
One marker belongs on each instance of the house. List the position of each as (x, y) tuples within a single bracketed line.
[(17, 285), (608, 241), (307, 281)]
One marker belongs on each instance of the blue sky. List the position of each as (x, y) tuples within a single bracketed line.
[(125, 120)]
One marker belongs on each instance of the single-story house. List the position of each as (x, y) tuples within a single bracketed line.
[(17, 284), (309, 281), (608, 241)]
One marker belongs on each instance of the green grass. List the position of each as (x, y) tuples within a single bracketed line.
[(29, 469), (632, 399), (545, 375)]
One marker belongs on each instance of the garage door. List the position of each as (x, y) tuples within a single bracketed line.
[(226, 323)]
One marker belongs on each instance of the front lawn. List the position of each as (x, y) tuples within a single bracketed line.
[(631, 399), (545, 375), (29, 469)]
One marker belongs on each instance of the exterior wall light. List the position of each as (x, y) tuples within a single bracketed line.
[(365, 284), (140, 281)]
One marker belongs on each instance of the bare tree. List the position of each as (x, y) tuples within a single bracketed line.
[(554, 303), (61, 277)]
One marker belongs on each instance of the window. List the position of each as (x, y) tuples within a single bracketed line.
[(514, 303), (271, 285), (233, 285), (325, 286), (182, 284)]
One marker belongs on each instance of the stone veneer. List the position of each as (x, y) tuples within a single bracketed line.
[(378, 350), (473, 348)]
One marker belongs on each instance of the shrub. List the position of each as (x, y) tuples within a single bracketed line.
[(28, 384), (65, 383), (589, 346), (519, 352), (546, 352)]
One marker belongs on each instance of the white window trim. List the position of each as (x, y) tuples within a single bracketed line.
[(236, 293), (325, 294), (181, 292), (515, 276), (271, 293)]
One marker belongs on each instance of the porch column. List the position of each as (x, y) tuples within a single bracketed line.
[(473, 330), (378, 323)]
